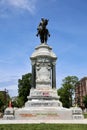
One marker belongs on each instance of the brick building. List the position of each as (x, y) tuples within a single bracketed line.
[(81, 91)]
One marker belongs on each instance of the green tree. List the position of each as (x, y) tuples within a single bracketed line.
[(67, 90), (64, 98), (24, 86), (4, 99), (85, 101), (17, 102)]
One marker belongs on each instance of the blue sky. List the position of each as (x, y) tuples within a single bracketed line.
[(18, 27)]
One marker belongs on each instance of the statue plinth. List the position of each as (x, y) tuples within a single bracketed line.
[(43, 73), (43, 63), (43, 102), (43, 94)]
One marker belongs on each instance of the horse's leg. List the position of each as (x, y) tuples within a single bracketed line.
[(45, 38), (41, 39)]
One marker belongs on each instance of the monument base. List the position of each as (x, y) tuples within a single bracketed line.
[(43, 113), (45, 105)]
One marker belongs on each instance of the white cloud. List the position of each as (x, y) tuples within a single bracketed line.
[(28, 5)]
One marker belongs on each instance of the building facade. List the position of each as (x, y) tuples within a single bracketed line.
[(81, 91)]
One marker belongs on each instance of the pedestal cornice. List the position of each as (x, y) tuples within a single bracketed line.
[(43, 50)]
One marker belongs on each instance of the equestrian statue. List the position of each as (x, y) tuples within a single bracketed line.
[(42, 31)]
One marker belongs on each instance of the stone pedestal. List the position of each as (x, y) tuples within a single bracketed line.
[(43, 113), (43, 92), (43, 67), (77, 113), (9, 114), (43, 101)]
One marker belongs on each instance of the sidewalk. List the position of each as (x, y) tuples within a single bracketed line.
[(84, 121)]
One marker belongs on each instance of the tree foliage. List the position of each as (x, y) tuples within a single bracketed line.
[(24, 86), (67, 90), (85, 101), (1, 99), (4, 99)]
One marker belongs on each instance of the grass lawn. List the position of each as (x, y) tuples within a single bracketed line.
[(85, 115), (44, 127)]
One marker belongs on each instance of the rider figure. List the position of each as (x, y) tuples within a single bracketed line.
[(41, 23)]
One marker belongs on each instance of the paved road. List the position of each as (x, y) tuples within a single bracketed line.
[(84, 121)]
